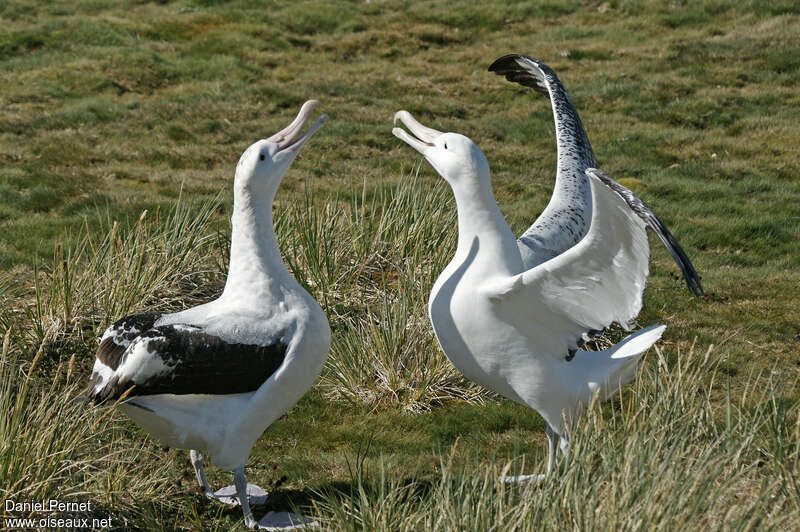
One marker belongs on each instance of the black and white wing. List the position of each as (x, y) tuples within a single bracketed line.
[(118, 337), (653, 223), (595, 283), (566, 218), (179, 359)]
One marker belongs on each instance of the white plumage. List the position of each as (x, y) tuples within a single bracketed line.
[(512, 314), (212, 378)]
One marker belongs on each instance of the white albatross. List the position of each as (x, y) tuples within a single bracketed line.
[(512, 314), (212, 378)]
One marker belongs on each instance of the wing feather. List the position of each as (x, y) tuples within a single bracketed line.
[(566, 218), (564, 222), (657, 226), (181, 359), (118, 337), (598, 281)]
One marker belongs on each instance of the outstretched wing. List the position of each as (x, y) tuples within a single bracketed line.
[(566, 219), (598, 281), (657, 226), (181, 359)]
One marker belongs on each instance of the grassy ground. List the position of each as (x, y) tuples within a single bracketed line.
[(110, 109)]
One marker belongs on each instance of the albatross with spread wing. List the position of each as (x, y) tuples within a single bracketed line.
[(512, 314)]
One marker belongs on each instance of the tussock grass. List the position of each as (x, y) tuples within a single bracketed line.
[(107, 104), (364, 259), (370, 261), (662, 456), (54, 446), (112, 105), (163, 261), (678, 446), (37, 430)]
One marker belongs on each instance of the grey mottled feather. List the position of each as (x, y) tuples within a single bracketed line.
[(566, 219)]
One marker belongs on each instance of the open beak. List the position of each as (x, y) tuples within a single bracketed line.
[(285, 139), (424, 135)]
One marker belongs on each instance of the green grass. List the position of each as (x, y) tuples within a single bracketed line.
[(110, 109)]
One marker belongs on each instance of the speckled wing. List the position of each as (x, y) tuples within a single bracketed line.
[(566, 218), (598, 281), (179, 359)]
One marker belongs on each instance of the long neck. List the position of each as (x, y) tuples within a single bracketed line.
[(480, 218), (256, 270)]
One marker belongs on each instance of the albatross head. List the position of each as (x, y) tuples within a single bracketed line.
[(455, 157), (264, 163)]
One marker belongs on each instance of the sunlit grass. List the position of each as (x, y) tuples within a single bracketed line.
[(678, 445), (370, 261), (661, 456), (53, 446), (109, 110)]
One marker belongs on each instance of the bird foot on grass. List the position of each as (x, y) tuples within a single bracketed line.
[(283, 521), (227, 495)]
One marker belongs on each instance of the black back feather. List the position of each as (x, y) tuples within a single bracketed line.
[(196, 363)]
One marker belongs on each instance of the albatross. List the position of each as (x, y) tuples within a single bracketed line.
[(513, 313), (212, 378)]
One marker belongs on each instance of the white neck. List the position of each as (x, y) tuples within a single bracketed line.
[(480, 218), (256, 270)]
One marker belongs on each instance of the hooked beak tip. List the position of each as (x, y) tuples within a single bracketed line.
[(425, 134), (399, 116), (284, 138)]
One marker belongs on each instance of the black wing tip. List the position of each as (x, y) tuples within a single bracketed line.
[(655, 224), (506, 61), (510, 63), (535, 76), (698, 290), (109, 391), (89, 394), (693, 282), (688, 271), (691, 277)]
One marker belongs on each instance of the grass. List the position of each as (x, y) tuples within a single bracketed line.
[(392, 437), (622, 462), (110, 110), (53, 447), (370, 262)]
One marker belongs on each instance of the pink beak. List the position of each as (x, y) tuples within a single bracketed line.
[(425, 135), (284, 137)]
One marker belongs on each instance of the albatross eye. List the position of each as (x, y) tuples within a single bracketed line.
[(261, 156), (445, 145)]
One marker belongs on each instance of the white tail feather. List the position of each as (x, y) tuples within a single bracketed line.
[(606, 371), (637, 343)]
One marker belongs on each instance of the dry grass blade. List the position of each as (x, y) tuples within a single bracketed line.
[(658, 456), (371, 263)]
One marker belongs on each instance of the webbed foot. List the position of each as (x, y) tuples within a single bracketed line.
[(227, 495)]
